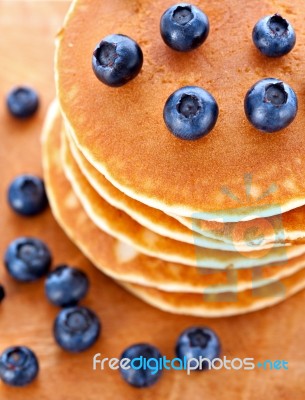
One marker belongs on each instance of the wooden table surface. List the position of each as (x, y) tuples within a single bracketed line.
[(27, 30)]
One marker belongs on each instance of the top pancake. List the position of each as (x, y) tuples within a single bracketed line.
[(121, 130)]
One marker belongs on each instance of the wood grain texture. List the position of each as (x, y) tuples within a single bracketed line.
[(26, 47)]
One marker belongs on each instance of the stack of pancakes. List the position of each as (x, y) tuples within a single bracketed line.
[(211, 227)]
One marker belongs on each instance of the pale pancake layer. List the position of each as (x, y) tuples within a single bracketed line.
[(121, 261), (288, 227), (120, 225), (284, 228), (151, 218), (72, 218), (220, 305), (122, 133), (162, 224)]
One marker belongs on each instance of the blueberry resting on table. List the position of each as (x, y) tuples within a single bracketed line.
[(2, 293), (65, 286), (76, 328), (27, 195), (196, 342), (18, 366), (141, 377), (22, 102), (27, 259)]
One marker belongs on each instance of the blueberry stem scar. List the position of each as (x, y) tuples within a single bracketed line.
[(29, 187), (26, 251), (188, 106), (183, 15), (276, 94), (76, 320), (199, 339), (278, 25), (106, 54)]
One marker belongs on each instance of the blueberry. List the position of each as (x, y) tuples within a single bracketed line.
[(137, 375), (27, 195), (274, 36), (190, 113), (196, 342), (116, 60), (76, 328), (66, 286), (271, 105), (18, 366), (27, 259), (184, 27), (22, 102), (2, 293)]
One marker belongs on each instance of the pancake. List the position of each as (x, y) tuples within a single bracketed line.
[(286, 228), (220, 305), (122, 262), (122, 133), (160, 222), (273, 231), (68, 211), (154, 219), (121, 226), (151, 218)]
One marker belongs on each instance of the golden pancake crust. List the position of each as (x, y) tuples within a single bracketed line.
[(102, 249), (121, 131), (124, 263)]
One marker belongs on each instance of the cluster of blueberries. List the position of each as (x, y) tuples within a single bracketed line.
[(76, 328), (191, 112), (28, 259)]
